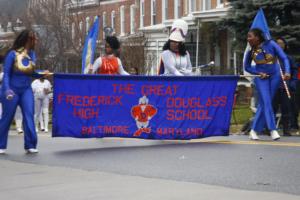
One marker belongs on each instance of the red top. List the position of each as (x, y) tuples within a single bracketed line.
[(109, 65)]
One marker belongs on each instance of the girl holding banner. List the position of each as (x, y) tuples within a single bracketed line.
[(16, 89), (265, 53), (175, 59), (108, 64)]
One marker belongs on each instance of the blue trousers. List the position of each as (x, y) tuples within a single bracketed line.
[(266, 89), (24, 98)]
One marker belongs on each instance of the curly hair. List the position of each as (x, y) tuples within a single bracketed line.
[(113, 42)]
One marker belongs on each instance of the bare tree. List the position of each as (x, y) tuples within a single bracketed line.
[(61, 35)]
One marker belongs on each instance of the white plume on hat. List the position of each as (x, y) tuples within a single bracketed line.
[(178, 31), (180, 24)]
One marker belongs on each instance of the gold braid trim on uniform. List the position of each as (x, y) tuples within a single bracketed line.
[(19, 66), (268, 58)]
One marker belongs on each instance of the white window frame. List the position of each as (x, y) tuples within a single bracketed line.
[(113, 19), (153, 12), (142, 13), (164, 10), (206, 5), (103, 23), (177, 9), (122, 20), (220, 3), (132, 19), (192, 6)]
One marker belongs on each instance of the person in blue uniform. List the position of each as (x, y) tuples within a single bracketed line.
[(281, 101), (265, 53), (16, 89)]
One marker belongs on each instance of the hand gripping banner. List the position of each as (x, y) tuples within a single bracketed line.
[(148, 107)]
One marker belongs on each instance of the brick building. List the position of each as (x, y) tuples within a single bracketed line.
[(152, 19)]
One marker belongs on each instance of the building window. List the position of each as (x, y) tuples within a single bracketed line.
[(177, 9), (87, 24), (164, 10), (153, 12), (104, 22), (142, 13), (206, 5), (132, 19), (192, 6), (113, 20), (220, 3), (122, 20)]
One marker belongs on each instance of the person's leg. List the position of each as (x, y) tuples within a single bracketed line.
[(285, 113), (262, 87), (293, 111), (275, 80), (27, 106), (266, 89), (9, 109), (37, 112), (45, 110), (18, 119)]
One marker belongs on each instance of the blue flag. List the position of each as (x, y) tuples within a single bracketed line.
[(261, 23), (90, 45)]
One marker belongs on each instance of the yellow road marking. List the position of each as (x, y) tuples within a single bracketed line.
[(271, 143)]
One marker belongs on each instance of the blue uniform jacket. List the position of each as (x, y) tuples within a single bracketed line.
[(14, 79), (269, 48)]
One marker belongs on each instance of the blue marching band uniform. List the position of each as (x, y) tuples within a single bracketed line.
[(265, 59), (16, 90)]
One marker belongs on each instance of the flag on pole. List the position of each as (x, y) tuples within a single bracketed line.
[(90, 46), (261, 23)]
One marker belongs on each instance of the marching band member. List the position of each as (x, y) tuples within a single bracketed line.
[(16, 89), (109, 63), (265, 53), (287, 106), (41, 88), (175, 59)]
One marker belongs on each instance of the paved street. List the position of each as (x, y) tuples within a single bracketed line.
[(114, 168)]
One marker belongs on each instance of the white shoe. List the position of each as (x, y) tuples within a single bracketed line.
[(253, 135), (32, 150), (275, 135), (46, 130), (19, 130), (2, 151)]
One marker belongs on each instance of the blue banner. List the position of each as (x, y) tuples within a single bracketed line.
[(149, 107)]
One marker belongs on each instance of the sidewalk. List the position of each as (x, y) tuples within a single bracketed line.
[(36, 182)]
